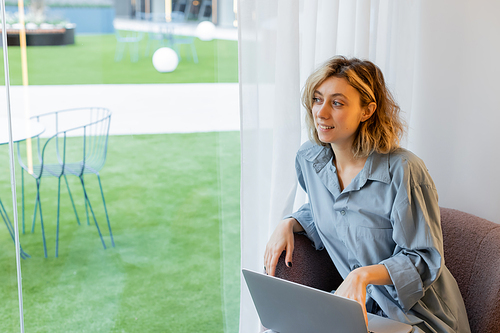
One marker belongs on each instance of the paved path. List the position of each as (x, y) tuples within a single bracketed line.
[(140, 108)]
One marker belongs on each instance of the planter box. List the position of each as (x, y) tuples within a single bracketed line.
[(88, 20), (43, 37)]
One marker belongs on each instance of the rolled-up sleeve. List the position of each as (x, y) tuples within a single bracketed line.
[(304, 215), (417, 259)]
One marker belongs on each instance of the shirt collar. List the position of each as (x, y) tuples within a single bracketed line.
[(318, 155), (376, 167)]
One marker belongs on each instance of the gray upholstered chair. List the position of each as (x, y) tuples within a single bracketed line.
[(472, 254)]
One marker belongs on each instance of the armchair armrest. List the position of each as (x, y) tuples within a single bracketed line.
[(310, 267)]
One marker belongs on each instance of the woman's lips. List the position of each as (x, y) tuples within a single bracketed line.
[(325, 128)]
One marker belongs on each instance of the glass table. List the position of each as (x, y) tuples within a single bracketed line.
[(21, 130)]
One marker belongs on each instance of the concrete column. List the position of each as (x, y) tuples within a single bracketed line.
[(225, 13), (157, 6), (123, 8)]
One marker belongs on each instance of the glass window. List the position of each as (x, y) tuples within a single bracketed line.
[(128, 190)]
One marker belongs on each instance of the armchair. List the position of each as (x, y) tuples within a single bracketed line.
[(472, 254)]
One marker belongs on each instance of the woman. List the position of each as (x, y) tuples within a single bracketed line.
[(372, 204)]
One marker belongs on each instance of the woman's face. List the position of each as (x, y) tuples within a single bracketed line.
[(337, 112)]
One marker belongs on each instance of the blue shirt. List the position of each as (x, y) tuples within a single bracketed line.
[(387, 215)]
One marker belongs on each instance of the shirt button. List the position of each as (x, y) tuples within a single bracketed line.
[(342, 212), (369, 289), (356, 266)]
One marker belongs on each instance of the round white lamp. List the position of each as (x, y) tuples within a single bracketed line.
[(165, 60), (205, 31)]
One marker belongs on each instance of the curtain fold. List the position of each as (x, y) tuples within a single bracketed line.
[(438, 61)]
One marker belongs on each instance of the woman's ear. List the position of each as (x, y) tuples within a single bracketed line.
[(369, 111)]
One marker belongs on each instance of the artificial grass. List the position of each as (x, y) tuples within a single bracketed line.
[(91, 61), (173, 202)]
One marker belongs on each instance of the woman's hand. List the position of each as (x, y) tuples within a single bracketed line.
[(354, 287), (281, 240)]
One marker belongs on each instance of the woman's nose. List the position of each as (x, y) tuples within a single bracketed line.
[(323, 112)]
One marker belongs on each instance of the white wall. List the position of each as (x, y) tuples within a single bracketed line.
[(455, 116)]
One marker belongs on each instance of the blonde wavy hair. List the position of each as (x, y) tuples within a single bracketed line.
[(383, 131)]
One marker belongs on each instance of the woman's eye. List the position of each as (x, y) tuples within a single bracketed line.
[(337, 103), (315, 100)]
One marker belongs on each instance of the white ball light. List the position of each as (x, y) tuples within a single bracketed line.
[(165, 60), (205, 31)]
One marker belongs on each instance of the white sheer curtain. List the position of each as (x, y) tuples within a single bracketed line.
[(439, 59)]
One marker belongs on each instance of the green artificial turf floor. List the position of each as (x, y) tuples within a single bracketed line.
[(91, 61), (173, 202)]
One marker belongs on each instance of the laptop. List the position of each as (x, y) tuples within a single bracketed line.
[(288, 307)]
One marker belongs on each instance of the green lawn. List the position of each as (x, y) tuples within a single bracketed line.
[(91, 61), (173, 202)]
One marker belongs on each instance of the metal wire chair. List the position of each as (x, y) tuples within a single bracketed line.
[(130, 38), (8, 224), (76, 145), (163, 35), (176, 41)]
